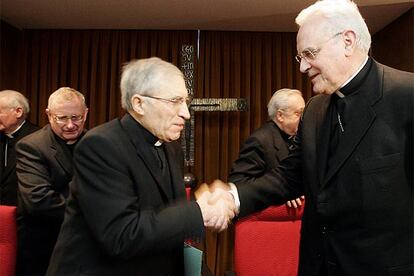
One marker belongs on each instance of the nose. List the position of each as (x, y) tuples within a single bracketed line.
[(70, 124), (184, 112), (304, 65)]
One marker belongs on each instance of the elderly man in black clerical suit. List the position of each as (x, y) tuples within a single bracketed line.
[(44, 170), (268, 145), (353, 156), (127, 213), (14, 125)]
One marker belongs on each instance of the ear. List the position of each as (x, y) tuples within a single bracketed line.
[(279, 116), (86, 113), (49, 114), (136, 102), (349, 38), (19, 112)]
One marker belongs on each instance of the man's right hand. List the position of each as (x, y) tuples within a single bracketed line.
[(216, 204)]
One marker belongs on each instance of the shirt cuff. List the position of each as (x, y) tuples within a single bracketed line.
[(233, 191)]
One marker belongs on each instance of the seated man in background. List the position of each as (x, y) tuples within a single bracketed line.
[(14, 125), (127, 213), (268, 145), (44, 170)]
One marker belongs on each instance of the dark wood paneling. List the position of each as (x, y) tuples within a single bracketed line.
[(10, 41), (394, 45)]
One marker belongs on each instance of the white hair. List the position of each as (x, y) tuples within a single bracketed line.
[(67, 94), (281, 101), (340, 15), (15, 99), (144, 77)]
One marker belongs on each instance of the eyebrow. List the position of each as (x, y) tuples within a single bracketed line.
[(309, 49)]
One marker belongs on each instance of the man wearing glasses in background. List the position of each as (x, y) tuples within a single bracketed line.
[(127, 212), (44, 170)]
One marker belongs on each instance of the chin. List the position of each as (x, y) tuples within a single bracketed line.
[(174, 137), (321, 90), (71, 137), (316, 90)]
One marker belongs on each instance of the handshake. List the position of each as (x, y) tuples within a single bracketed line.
[(217, 205)]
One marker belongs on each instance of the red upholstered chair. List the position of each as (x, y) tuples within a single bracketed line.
[(267, 242), (8, 240)]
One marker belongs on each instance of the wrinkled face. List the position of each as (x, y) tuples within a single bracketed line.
[(164, 112), (9, 116), (289, 118), (67, 119), (325, 67)]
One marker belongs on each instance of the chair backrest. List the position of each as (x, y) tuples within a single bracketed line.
[(267, 242), (8, 240)]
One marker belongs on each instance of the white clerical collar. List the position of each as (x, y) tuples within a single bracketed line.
[(158, 143), (10, 135), (353, 76)]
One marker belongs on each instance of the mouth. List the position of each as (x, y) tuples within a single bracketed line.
[(180, 126), (313, 77), (70, 132)]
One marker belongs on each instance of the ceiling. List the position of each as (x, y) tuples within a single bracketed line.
[(237, 15)]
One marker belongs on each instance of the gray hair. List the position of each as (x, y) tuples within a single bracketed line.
[(143, 77), (341, 15), (66, 94), (281, 100), (16, 99)]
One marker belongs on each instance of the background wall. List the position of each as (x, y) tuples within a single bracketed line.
[(394, 45), (10, 41), (249, 65)]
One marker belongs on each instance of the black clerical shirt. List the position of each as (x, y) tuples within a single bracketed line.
[(337, 111), (158, 150)]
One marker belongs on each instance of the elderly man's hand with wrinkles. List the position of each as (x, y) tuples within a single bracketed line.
[(216, 204)]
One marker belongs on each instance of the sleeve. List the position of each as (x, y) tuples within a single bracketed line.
[(276, 186), (35, 184), (107, 195)]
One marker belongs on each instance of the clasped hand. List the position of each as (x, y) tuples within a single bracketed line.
[(216, 204)]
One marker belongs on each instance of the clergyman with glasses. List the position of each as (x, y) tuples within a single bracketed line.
[(44, 169), (354, 153), (127, 213)]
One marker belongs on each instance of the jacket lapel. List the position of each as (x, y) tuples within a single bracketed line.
[(57, 151), (322, 134), (279, 144), (144, 152), (359, 117), (177, 180)]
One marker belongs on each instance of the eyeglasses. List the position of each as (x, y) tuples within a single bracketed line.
[(174, 101), (62, 119), (290, 112), (310, 54)]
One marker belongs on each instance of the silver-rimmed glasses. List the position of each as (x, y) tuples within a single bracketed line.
[(174, 101), (63, 119), (310, 53)]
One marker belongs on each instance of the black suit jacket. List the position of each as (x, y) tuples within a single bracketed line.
[(120, 220), (8, 178), (261, 152), (358, 216), (44, 170)]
